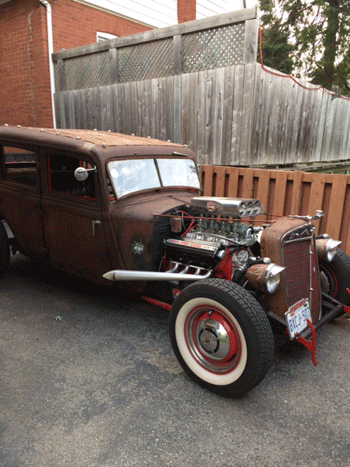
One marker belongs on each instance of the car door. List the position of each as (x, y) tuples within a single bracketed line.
[(72, 217), (20, 196)]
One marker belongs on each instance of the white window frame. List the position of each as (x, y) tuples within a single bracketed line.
[(104, 36)]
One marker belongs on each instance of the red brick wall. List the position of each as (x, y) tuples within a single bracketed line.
[(24, 72), (186, 10), (75, 24), (21, 53)]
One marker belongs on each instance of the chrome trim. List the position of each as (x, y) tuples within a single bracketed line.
[(273, 270), (327, 248), (123, 275), (295, 240), (312, 241), (316, 217), (184, 271), (174, 269)]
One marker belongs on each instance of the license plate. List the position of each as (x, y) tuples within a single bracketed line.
[(296, 317)]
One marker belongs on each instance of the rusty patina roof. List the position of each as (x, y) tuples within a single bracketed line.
[(98, 138), (106, 138), (104, 143)]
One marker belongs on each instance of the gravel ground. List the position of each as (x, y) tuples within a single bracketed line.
[(88, 378)]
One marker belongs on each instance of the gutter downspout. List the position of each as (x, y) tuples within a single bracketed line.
[(50, 52)]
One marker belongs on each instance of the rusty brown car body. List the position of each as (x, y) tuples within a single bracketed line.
[(127, 211)]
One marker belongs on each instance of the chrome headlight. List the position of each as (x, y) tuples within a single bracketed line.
[(326, 248), (272, 277), (265, 277)]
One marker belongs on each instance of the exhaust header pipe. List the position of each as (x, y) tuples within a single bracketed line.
[(123, 275)]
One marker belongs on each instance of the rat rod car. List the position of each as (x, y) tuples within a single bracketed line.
[(127, 211)]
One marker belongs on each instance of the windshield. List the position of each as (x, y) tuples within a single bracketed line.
[(129, 176)]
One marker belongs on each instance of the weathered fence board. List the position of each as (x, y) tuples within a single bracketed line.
[(283, 193), (214, 112), (227, 108), (227, 114)]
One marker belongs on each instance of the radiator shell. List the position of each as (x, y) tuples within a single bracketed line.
[(291, 243)]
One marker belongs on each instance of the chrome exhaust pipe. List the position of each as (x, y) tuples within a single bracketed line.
[(123, 275)]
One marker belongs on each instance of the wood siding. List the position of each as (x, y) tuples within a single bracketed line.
[(160, 14), (283, 193), (154, 13)]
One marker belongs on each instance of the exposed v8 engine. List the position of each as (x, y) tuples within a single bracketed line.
[(216, 228)]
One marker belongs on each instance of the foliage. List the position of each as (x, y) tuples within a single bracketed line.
[(309, 38), (276, 50)]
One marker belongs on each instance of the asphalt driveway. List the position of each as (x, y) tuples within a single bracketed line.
[(88, 378)]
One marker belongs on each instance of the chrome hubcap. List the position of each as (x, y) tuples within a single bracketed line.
[(212, 339)]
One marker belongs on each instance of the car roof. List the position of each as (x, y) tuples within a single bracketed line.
[(105, 143)]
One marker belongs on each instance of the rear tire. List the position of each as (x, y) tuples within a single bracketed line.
[(335, 277), (221, 337), (4, 251)]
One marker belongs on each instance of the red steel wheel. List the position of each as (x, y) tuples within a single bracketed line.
[(221, 336), (213, 338)]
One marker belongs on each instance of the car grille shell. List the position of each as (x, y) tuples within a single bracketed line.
[(291, 243)]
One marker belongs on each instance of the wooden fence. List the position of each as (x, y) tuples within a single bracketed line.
[(292, 123), (236, 115), (198, 83), (283, 193)]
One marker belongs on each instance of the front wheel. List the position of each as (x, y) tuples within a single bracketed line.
[(221, 337), (335, 277)]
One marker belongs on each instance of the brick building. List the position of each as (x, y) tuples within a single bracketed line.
[(24, 24)]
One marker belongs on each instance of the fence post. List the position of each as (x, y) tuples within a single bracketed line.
[(113, 65), (177, 48), (61, 73), (251, 31)]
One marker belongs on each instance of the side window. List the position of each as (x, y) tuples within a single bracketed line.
[(61, 169), (20, 165)]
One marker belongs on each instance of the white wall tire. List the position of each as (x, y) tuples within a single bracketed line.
[(335, 278), (218, 372), (221, 336)]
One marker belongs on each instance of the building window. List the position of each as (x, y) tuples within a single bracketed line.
[(104, 36)]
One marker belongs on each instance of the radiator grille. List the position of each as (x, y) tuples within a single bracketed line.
[(301, 274), (297, 262)]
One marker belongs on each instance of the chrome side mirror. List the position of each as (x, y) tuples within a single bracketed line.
[(81, 174)]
